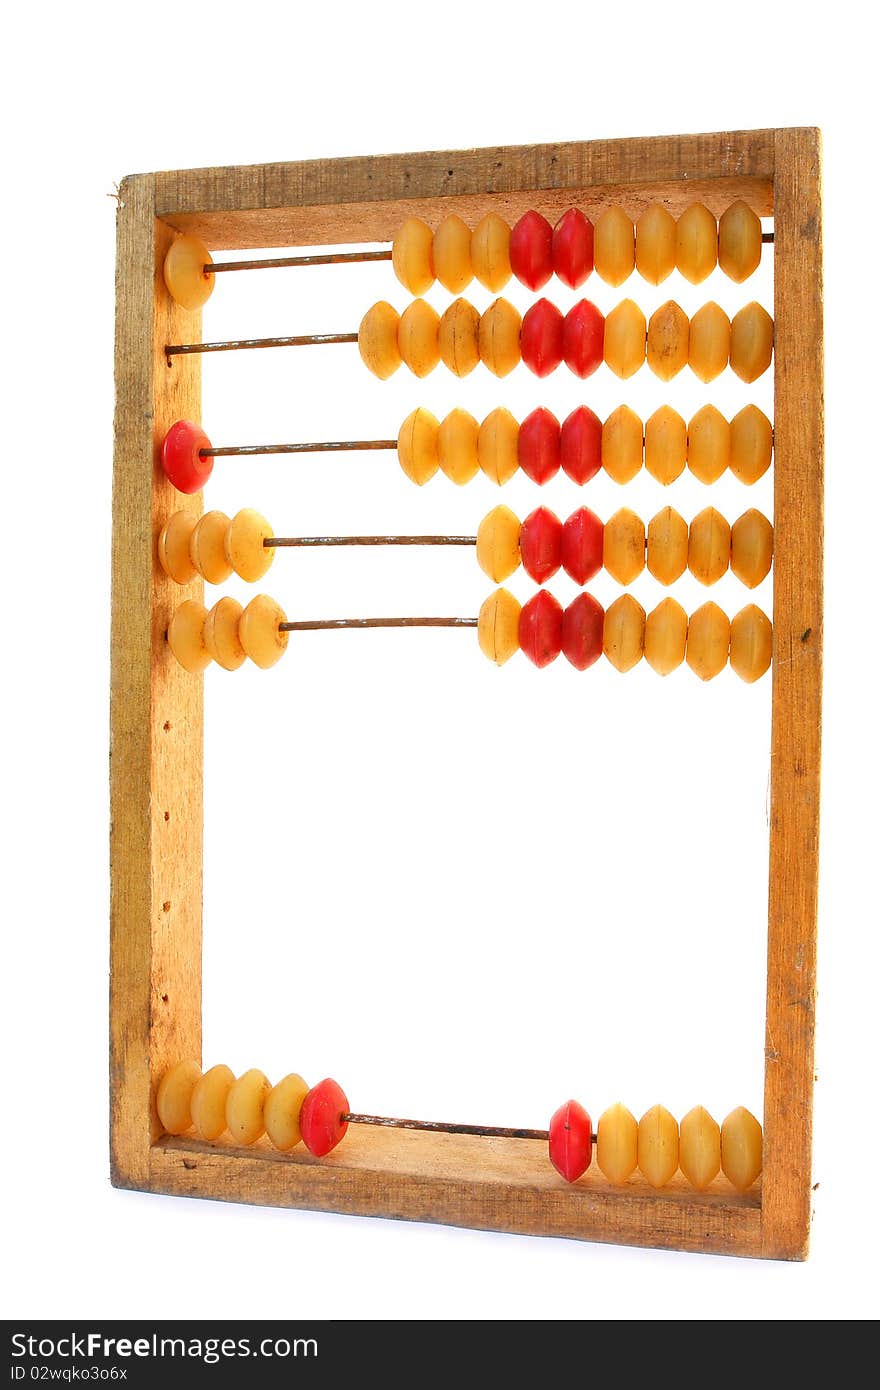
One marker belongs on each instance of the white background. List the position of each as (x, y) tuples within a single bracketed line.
[(623, 929)]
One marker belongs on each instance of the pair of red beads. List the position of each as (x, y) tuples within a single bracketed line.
[(545, 544), (538, 250), (546, 629), (548, 337), (544, 446)]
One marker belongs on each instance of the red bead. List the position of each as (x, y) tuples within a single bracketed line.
[(583, 624), (320, 1119), (540, 628), (571, 1141), (573, 248), (540, 544), (583, 338), (531, 250), (580, 445), (541, 338), (581, 547), (182, 463), (537, 447)]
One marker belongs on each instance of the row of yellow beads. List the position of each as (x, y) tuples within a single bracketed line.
[(658, 1147), (213, 546), (227, 634), (214, 1102)]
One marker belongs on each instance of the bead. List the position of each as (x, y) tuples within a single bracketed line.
[(751, 342), (739, 242), (182, 463), (622, 444), (666, 637), (452, 254), (617, 1143), (541, 338), (699, 1149), (208, 1104), (457, 441), (751, 444), (377, 340), (696, 243), (658, 1146), (665, 445), (320, 1119), (741, 1146), (539, 445), (570, 1141), (259, 631), (583, 625), (498, 544), (623, 640), (186, 636), (490, 252), (708, 546), (531, 250), (207, 548), (500, 329), (623, 552), (220, 634), (245, 550), (418, 337), (411, 256), (540, 544), (667, 546), (708, 444), (582, 545), (497, 446), (580, 445), (244, 1107), (709, 342), (174, 1097), (498, 627), (173, 548), (583, 339), (282, 1111), (708, 640), (573, 248), (655, 244), (751, 548), (417, 449), (614, 246), (625, 334), (540, 628), (184, 272), (751, 644), (458, 338), (668, 340)]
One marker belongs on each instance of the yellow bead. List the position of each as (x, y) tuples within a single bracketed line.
[(497, 446), (457, 442), (221, 634), (751, 548), (498, 627), (625, 332), (184, 273), (623, 553), (741, 1148), (282, 1109), (417, 446), (377, 340), (207, 547), (418, 337), (668, 341), (667, 546), (452, 254), (498, 544), (624, 633), (665, 445), (708, 444), (623, 437), (259, 631), (739, 242), (708, 641), (174, 539), (658, 1146), (186, 636), (614, 251), (699, 1150), (655, 244), (411, 256), (245, 550), (244, 1107), (708, 546), (208, 1103), (617, 1143), (751, 644), (499, 337), (696, 243), (458, 337), (751, 444), (666, 637), (751, 342), (490, 252), (709, 342), (174, 1097)]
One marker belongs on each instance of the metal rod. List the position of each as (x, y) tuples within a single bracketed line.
[(325, 258), (325, 624), (767, 238), (327, 446), (437, 1127), (273, 542), (234, 344)]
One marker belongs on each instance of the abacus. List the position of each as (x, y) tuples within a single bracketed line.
[(611, 209)]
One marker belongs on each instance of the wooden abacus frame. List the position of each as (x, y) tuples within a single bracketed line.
[(156, 707)]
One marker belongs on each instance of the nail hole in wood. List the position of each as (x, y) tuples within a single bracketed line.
[(166, 907)]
